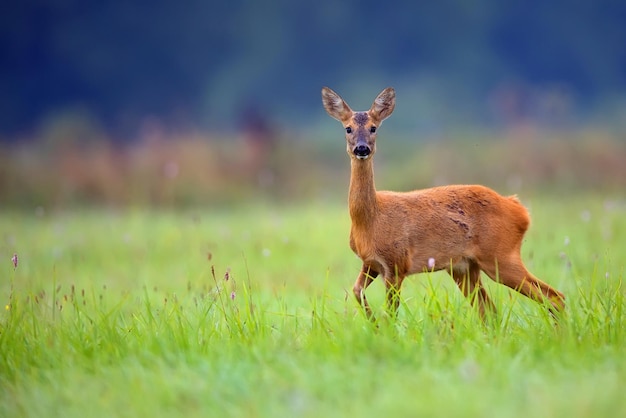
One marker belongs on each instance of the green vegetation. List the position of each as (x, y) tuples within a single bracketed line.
[(248, 312)]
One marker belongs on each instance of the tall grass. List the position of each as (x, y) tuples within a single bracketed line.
[(248, 313)]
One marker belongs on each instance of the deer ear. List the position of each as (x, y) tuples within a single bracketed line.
[(384, 104), (335, 105)]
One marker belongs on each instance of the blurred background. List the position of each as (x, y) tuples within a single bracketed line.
[(127, 103)]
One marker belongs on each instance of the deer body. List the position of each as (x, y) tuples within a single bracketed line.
[(462, 229), (447, 224)]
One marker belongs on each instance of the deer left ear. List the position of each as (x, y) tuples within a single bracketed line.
[(384, 104)]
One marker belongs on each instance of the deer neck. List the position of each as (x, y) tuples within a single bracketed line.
[(362, 196)]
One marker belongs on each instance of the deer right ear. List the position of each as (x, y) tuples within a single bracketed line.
[(335, 105)]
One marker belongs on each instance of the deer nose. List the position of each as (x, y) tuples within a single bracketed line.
[(362, 151)]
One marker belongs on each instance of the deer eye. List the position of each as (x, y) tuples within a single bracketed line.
[(348, 130), (373, 129)]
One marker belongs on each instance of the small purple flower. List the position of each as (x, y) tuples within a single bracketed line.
[(232, 295), (431, 263), (14, 260)]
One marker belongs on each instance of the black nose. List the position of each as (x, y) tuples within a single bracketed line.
[(362, 151)]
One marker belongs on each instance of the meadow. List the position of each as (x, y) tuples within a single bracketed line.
[(248, 312)]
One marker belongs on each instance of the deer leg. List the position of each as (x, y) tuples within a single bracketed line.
[(393, 294), (468, 280), (366, 277), (512, 273)]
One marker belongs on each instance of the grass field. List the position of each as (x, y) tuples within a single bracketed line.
[(249, 313)]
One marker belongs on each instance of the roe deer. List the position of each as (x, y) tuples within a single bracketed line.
[(462, 229)]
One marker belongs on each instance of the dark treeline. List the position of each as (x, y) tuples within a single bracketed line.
[(203, 63)]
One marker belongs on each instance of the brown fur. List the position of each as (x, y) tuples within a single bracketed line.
[(464, 229)]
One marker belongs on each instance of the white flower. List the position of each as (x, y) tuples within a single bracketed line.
[(431, 263)]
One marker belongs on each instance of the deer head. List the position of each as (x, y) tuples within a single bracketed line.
[(361, 127)]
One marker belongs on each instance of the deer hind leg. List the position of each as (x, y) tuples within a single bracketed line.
[(511, 272), (467, 277), (366, 277)]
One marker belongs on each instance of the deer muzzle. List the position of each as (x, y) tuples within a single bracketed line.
[(362, 150)]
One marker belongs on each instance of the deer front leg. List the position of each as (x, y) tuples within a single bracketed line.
[(366, 277), (392, 286)]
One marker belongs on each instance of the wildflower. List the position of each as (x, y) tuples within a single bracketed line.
[(585, 216), (14, 260), (431, 263), (469, 370), (232, 295), (170, 169)]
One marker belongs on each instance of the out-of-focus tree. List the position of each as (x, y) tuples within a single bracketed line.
[(194, 63)]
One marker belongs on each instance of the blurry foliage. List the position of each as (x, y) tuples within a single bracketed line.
[(199, 62), (196, 170)]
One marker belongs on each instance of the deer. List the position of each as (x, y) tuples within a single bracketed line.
[(463, 229)]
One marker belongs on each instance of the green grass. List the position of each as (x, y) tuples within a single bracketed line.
[(249, 313)]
